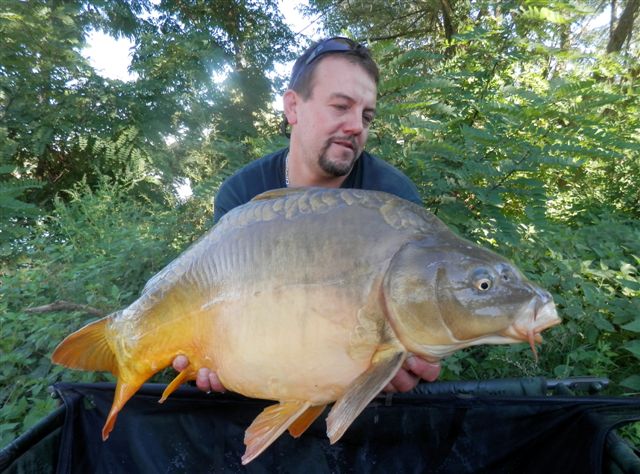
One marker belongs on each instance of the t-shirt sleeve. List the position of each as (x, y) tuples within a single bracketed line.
[(227, 198), (409, 191), (241, 187), (381, 176)]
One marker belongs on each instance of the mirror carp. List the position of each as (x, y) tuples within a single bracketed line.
[(311, 296)]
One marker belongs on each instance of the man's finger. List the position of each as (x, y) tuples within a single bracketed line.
[(389, 388), (202, 379), (180, 363), (215, 383), (425, 370), (404, 381)]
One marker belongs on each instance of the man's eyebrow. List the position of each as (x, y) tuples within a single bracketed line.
[(339, 95)]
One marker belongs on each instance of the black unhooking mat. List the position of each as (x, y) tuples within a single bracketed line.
[(418, 432)]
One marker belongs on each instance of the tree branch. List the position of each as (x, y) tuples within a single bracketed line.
[(395, 36), (65, 306)]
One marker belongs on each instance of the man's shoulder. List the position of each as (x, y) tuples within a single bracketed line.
[(260, 175), (379, 175), (266, 164), (383, 168)]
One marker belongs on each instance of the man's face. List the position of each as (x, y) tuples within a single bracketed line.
[(332, 125)]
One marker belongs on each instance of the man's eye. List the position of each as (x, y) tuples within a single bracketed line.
[(340, 106), (367, 119)]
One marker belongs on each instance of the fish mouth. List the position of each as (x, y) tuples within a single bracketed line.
[(531, 321)]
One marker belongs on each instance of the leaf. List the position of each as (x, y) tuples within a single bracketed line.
[(544, 14), (632, 382), (479, 135), (633, 326), (633, 347), (562, 371), (601, 323)]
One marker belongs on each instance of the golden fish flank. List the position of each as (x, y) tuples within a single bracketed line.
[(308, 297)]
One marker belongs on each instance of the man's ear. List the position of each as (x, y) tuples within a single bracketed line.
[(290, 102)]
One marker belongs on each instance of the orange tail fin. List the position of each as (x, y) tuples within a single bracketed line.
[(87, 349)]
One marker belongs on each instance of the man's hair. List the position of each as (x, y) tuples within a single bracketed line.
[(302, 74)]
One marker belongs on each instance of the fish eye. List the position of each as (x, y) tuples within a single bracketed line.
[(483, 284), (482, 280)]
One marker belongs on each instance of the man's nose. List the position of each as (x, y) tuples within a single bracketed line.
[(354, 124)]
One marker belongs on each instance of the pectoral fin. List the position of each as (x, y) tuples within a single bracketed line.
[(270, 424), (384, 366)]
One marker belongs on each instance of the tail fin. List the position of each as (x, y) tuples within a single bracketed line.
[(87, 349)]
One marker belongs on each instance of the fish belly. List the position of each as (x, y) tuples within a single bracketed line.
[(292, 344)]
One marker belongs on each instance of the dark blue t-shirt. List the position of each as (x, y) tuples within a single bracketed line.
[(268, 172)]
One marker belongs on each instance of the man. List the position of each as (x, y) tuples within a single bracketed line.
[(330, 104)]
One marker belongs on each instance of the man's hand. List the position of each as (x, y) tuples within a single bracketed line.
[(413, 369)]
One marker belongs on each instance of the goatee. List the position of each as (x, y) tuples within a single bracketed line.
[(337, 168)]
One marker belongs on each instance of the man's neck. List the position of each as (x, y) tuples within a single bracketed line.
[(300, 173)]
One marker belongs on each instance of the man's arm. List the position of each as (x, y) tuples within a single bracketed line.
[(227, 198)]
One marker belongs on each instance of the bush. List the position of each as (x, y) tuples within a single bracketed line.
[(97, 249)]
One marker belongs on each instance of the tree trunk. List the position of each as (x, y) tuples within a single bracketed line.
[(612, 18), (450, 28), (447, 19), (624, 28)]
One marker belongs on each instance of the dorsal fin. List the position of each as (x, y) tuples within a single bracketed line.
[(87, 349), (276, 193)]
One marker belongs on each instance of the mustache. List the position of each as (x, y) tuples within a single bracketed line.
[(350, 140)]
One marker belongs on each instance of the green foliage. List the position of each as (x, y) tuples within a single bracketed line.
[(62, 123), (26, 343), (11, 189), (491, 138), (97, 248)]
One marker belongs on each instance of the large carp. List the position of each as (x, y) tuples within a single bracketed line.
[(312, 296)]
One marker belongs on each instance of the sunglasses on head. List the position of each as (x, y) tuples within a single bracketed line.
[(330, 45)]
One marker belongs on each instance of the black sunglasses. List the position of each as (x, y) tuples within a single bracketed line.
[(337, 44)]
